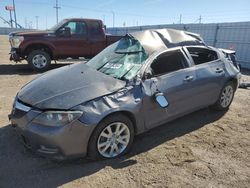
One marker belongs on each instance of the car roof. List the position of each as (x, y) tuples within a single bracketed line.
[(227, 51), (162, 39), (83, 19)]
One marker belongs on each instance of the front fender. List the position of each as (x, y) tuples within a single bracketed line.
[(28, 42), (124, 101)]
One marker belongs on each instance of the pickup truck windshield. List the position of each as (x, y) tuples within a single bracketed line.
[(57, 26), (121, 60)]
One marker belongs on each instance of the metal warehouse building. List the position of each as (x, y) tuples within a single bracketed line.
[(222, 35)]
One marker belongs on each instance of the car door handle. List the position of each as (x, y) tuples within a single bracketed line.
[(219, 70), (188, 78)]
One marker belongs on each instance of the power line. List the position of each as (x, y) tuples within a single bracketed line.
[(198, 20), (187, 17), (187, 14), (5, 21), (133, 14)]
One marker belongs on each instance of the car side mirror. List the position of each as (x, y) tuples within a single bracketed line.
[(148, 75), (161, 100), (67, 32), (64, 32)]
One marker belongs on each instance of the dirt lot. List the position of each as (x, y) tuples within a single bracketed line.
[(204, 149)]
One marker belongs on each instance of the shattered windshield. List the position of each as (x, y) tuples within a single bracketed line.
[(121, 60)]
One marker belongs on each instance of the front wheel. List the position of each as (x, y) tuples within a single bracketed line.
[(226, 97), (39, 60), (112, 138)]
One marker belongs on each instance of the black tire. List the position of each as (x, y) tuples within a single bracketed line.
[(219, 104), (93, 152), (39, 60)]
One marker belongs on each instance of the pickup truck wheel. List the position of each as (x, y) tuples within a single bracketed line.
[(39, 60)]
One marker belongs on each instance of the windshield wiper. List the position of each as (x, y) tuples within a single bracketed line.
[(134, 52), (102, 66), (123, 76)]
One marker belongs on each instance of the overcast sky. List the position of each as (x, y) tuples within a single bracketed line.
[(128, 12)]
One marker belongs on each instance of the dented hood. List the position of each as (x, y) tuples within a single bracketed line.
[(31, 33), (67, 87)]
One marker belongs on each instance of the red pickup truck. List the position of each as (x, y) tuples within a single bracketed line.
[(71, 38)]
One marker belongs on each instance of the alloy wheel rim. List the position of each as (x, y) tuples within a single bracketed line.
[(39, 61), (113, 140), (226, 96)]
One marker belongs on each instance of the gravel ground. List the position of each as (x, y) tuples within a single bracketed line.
[(203, 149)]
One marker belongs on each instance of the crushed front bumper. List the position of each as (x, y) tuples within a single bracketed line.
[(60, 143), (15, 55)]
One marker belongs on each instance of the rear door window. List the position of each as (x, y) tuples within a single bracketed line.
[(202, 55), (95, 29)]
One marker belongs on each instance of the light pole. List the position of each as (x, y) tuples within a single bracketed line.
[(37, 22), (113, 13), (14, 6), (180, 18)]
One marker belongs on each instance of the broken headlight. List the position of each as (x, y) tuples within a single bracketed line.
[(15, 41), (57, 118)]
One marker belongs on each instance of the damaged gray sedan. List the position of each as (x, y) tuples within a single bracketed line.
[(140, 82)]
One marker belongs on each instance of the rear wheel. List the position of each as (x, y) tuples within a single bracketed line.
[(112, 138), (226, 97), (39, 60)]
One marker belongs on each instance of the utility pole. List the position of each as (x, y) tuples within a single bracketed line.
[(37, 22), (57, 7), (30, 25), (113, 13), (46, 22), (200, 19), (14, 6), (104, 20), (25, 22), (180, 18), (11, 20)]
